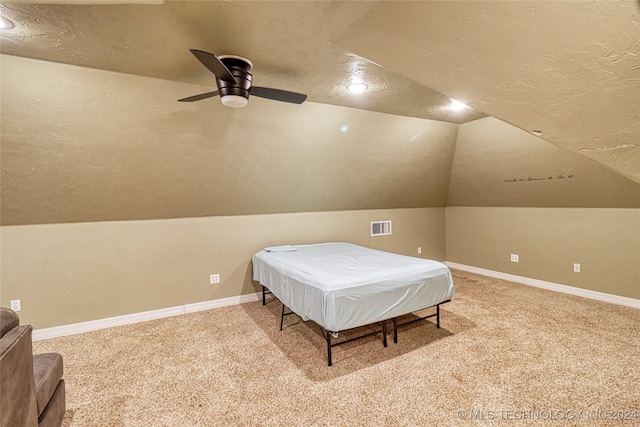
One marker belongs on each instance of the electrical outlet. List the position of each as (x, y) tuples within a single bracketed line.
[(15, 305), (214, 278), (419, 250), (515, 258), (576, 268)]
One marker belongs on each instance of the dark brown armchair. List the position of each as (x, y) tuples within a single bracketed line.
[(31, 386)]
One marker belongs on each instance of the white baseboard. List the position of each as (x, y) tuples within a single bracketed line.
[(585, 293), (128, 319)]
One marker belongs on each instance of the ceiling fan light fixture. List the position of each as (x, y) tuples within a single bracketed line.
[(234, 101), (357, 87), (234, 81)]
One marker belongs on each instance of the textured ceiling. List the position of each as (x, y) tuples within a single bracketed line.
[(568, 69), (289, 44)]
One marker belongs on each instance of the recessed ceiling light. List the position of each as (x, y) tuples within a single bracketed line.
[(456, 105), (5, 24), (357, 87), (537, 132)]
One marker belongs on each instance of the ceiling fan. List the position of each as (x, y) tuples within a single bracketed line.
[(233, 77)]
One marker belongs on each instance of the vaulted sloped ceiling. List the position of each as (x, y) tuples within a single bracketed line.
[(90, 145), (569, 69), (91, 130), (566, 70), (288, 42)]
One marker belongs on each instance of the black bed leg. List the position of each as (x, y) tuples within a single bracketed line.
[(264, 301), (438, 316), (330, 362), (395, 330), (282, 317), (384, 333)]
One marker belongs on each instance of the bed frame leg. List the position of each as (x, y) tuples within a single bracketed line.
[(330, 362), (384, 333), (395, 330), (282, 317), (438, 316), (264, 301)]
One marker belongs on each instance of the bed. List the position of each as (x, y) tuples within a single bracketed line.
[(341, 286)]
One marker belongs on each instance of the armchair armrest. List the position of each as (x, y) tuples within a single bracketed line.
[(17, 385)]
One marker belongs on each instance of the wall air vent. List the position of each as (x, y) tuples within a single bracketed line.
[(380, 228)]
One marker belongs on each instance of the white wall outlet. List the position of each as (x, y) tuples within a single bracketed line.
[(15, 305), (576, 268), (419, 250), (214, 278), (515, 258)]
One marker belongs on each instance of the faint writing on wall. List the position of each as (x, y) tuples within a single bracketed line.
[(540, 178)]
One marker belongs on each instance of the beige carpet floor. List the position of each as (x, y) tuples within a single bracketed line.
[(506, 355)]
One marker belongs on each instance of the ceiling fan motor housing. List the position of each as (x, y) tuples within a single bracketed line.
[(234, 81), (240, 68)]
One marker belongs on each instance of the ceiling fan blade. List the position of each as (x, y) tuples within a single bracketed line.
[(214, 65), (278, 95), (199, 97)]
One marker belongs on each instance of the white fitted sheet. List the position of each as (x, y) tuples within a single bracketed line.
[(341, 285)]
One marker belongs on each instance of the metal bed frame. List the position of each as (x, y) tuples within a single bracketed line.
[(329, 334)]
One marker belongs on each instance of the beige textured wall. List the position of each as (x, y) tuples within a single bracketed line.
[(511, 192), (99, 155), (69, 273), (606, 242), (497, 164)]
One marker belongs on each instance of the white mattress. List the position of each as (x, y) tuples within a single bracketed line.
[(341, 285)]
